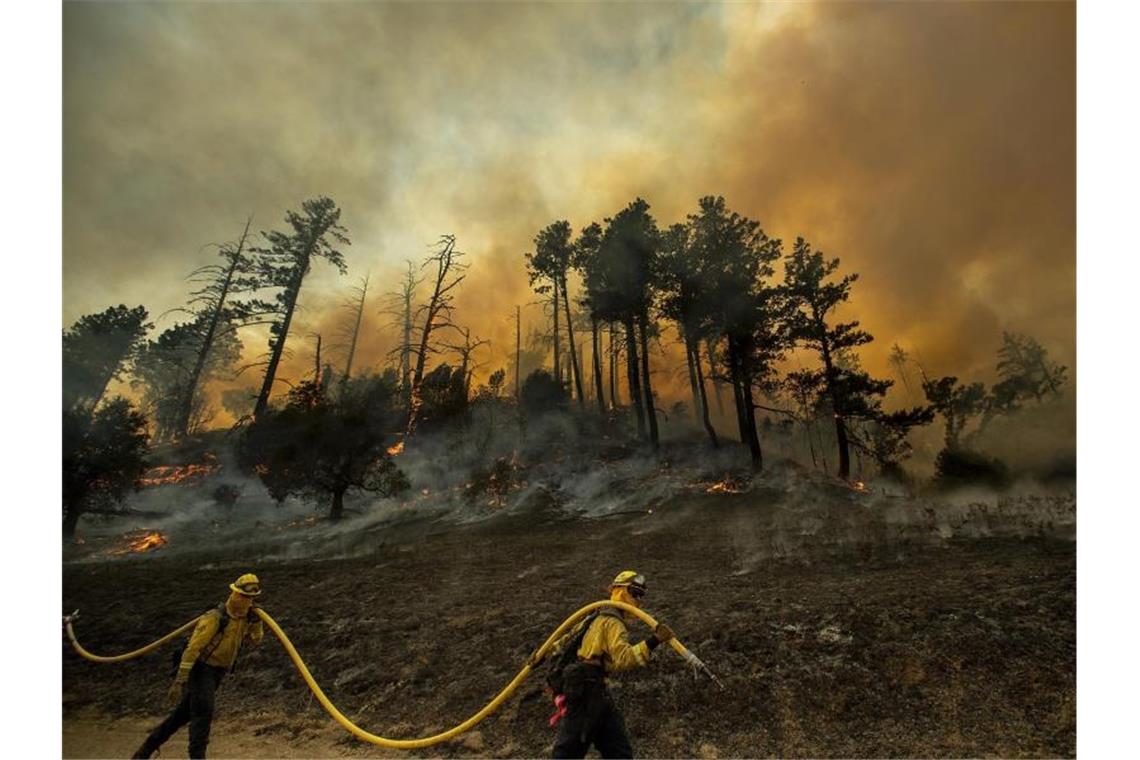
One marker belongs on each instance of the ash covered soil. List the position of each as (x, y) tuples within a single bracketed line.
[(928, 641)]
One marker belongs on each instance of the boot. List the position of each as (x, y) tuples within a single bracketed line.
[(148, 748)]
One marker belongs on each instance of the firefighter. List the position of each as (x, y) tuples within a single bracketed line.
[(591, 717), (211, 653)]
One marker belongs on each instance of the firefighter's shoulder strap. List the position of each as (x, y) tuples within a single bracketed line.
[(566, 652), (223, 621)]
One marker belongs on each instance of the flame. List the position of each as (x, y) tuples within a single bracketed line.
[(169, 474), (727, 485), (138, 542), (396, 449), (860, 486)]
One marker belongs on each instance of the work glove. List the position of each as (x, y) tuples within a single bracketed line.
[(174, 694), (663, 633)]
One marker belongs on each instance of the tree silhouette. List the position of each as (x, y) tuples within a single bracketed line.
[(317, 447), (852, 392), (283, 263), (553, 256), (742, 306), (399, 307), (956, 404), (686, 286), (97, 349), (352, 335), (436, 313), (621, 288), (104, 455), (586, 250), (217, 316), (167, 366), (1026, 370), (541, 393)]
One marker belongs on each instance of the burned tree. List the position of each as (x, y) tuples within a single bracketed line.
[(436, 313), (465, 350), (957, 404), (586, 251), (104, 455), (685, 300), (97, 349), (620, 287), (357, 305), (1026, 370), (851, 392), (399, 307), (322, 448), (314, 234), (167, 368), (217, 317), (744, 310), (552, 258)]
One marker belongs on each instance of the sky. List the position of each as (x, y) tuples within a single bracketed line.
[(930, 146)]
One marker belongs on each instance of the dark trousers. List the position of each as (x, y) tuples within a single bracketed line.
[(592, 722), (196, 708)]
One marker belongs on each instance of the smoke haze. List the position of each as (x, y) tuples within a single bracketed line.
[(930, 146)]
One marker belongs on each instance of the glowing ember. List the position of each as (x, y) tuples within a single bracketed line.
[(168, 474), (396, 449), (727, 485), (139, 542)]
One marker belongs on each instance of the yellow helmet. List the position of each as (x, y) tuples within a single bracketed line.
[(247, 585), (632, 579)]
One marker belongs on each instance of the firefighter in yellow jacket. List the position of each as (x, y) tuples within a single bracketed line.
[(591, 717), (211, 653)]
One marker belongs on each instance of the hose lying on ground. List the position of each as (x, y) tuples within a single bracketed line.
[(427, 741)]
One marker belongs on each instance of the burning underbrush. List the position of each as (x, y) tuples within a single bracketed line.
[(790, 512), (138, 542), (193, 473)]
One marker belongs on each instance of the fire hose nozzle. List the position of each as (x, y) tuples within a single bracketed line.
[(70, 618)]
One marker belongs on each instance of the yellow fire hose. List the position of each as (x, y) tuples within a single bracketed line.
[(535, 659)]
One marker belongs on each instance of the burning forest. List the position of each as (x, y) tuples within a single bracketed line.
[(834, 482)]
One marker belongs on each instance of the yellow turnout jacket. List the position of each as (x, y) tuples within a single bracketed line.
[(223, 652), (607, 643)]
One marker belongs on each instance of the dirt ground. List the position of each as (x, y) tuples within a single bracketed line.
[(955, 648)]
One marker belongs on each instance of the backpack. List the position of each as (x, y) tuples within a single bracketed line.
[(566, 655), (176, 655)]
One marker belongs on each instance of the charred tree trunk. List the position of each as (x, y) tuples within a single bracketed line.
[(650, 402), (737, 395), (337, 510), (597, 345), (833, 392), (696, 354), (750, 422), (518, 350), (355, 335), (716, 383), (557, 356), (634, 380), (283, 332), (573, 351), (614, 400), (745, 410), (70, 522), (187, 403), (445, 260), (811, 446), (406, 348), (692, 377)]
